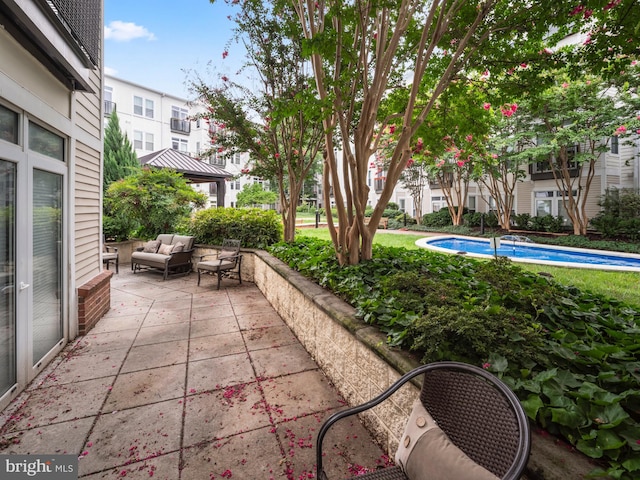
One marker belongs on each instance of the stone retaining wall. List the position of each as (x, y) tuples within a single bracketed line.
[(356, 358)]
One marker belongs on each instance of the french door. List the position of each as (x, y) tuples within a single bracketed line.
[(33, 302)]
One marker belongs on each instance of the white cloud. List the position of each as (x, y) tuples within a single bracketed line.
[(126, 31)]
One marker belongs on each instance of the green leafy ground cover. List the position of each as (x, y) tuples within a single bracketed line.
[(571, 356)]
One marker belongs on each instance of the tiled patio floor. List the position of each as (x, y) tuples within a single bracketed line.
[(185, 382)]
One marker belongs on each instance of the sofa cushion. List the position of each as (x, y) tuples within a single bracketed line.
[(187, 240), (166, 238), (149, 259), (178, 247), (151, 246), (426, 453), (165, 249)]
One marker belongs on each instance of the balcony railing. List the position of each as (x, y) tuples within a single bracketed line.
[(180, 126), (109, 107)]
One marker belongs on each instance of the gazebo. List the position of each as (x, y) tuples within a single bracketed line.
[(194, 170)]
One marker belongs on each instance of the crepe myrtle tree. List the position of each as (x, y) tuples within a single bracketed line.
[(277, 118), (364, 52), (507, 159), (574, 122)]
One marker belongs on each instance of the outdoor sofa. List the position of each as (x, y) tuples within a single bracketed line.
[(171, 254)]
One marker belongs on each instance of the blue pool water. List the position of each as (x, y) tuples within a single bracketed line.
[(534, 253)]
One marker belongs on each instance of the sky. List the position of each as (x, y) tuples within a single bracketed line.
[(155, 43)]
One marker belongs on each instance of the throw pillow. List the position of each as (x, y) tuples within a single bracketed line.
[(178, 247), (426, 453), (165, 249), (151, 246)]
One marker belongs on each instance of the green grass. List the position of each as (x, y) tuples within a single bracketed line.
[(619, 285)]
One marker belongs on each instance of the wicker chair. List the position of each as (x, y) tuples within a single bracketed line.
[(478, 413), (227, 261)]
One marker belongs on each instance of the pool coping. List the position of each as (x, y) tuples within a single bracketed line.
[(424, 243)]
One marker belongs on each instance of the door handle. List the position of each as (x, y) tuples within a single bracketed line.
[(24, 286)]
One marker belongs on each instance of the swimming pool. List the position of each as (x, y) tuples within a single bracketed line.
[(525, 252)]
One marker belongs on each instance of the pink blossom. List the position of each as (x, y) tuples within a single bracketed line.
[(495, 155), (277, 155), (565, 85), (620, 130), (547, 51), (486, 106), (587, 13), (611, 4), (392, 129), (469, 138), (524, 65), (225, 54), (486, 365), (225, 78), (460, 163), (576, 10), (588, 40)]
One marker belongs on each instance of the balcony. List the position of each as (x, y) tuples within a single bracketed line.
[(180, 126), (109, 107)]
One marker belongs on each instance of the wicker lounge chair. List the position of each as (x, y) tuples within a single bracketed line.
[(227, 261), (478, 413)]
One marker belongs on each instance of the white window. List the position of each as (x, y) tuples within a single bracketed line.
[(142, 106), (236, 159), (550, 203), (614, 145), (438, 203), (137, 105), (148, 142), (179, 113), (137, 139), (471, 203), (402, 204), (237, 184), (180, 144), (148, 108)]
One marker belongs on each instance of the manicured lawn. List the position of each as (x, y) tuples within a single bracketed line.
[(619, 285)]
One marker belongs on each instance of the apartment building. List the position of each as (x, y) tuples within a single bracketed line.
[(50, 179), (155, 121)]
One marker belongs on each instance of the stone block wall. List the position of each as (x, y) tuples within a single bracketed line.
[(94, 299), (356, 358), (347, 350)]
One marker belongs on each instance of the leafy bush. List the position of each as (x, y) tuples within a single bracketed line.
[(620, 215), (545, 223), (441, 218), (392, 206), (572, 357), (254, 227), (157, 200)]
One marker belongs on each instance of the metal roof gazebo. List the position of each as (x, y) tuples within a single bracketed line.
[(194, 170)]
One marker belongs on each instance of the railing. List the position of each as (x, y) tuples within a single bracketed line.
[(180, 126), (109, 107)]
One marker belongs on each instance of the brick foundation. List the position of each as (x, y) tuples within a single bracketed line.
[(94, 300)]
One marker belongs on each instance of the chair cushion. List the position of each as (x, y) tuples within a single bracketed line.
[(186, 240), (166, 238), (151, 246), (178, 247), (165, 249), (215, 265), (426, 453)]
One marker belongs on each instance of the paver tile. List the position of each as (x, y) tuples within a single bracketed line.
[(216, 373), (151, 356), (213, 346)]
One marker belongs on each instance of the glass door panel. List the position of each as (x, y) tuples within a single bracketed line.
[(7, 276), (47, 262)]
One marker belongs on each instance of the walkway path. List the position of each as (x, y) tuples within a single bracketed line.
[(181, 382)]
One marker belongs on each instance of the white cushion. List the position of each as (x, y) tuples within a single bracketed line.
[(426, 453), (151, 246), (165, 249)]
